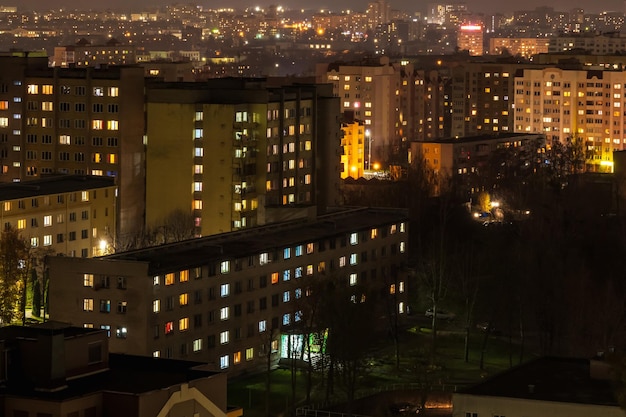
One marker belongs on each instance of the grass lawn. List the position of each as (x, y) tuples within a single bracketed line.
[(449, 372)]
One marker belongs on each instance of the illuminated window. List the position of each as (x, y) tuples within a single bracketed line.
[(274, 277), (114, 91), (47, 89), (21, 224), (224, 313), (197, 204), (262, 326), (169, 279), (4, 122), (353, 280), (183, 299), (156, 306), (198, 133), (310, 247), (401, 287), (236, 358), (286, 319), (197, 186), (354, 238), (184, 276), (169, 327), (198, 152), (225, 267), (309, 269), (183, 324), (224, 290), (112, 158), (97, 124), (224, 337), (98, 91), (197, 345), (87, 304), (198, 169), (47, 240), (286, 296), (112, 125), (286, 253), (87, 280), (224, 362), (342, 261), (368, 79), (353, 259), (33, 89), (402, 247), (249, 354), (263, 258)]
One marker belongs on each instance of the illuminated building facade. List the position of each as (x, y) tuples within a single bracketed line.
[(240, 153), (83, 121), (596, 44), (84, 54), (482, 98), (371, 90), (230, 300), (470, 38), (354, 147), (565, 104), (67, 215), (526, 47)]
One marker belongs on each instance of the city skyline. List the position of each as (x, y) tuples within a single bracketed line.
[(478, 6)]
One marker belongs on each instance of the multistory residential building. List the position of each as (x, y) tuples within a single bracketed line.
[(378, 13), (371, 89), (85, 121), (57, 370), (467, 160), (482, 98), (470, 38), (354, 144), (586, 105), (428, 113), (68, 215), (84, 54), (231, 299), (525, 47), (238, 153), (596, 44)]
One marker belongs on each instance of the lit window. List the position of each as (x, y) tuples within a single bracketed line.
[(373, 233), (353, 280), (225, 267), (84, 196), (299, 250), (249, 354), (224, 337), (392, 289), (274, 277), (224, 362), (353, 259), (236, 358), (342, 261), (183, 324), (402, 247), (47, 221), (169, 278), (169, 327), (197, 186), (114, 91), (156, 306), (88, 304), (354, 238), (298, 272), (47, 240), (21, 224), (199, 152), (286, 275), (183, 299), (98, 91), (286, 296), (224, 313), (112, 125), (287, 253), (87, 280), (224, 290), (263, 258), (309, 269), (262, 326), (33, 89), (401, 307), (197, 169), (286, 319), (401, 287), (198, 133), (121, 332), (197, 345), (298, 293), (309, 248), (34, 242), (97, 124)]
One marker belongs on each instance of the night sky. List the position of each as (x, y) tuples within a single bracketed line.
[(485, 6)]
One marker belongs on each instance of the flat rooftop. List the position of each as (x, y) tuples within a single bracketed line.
[(552, 379), (248, 242), (53, 185)]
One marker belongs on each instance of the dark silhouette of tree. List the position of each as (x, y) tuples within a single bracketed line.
[(36, 288)]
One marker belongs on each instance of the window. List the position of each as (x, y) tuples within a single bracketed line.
[(184, 276), (286, 253), (286, 319), (224, 362), (156, 306), (249, 354), (353, 280), (262, 326), (224, 313), (197, 345), (169, 327), (121, 332), (105, 306), (274, 277), (47, 240), (286, 296), (47, 220), (286, 275), (225, 267), (236, 357), (183, 299), (183, 324), (113, 91), (224, 337), (354, 238), (224, 290), (169, 278), (353, 259), (263, 258), (88, 304)]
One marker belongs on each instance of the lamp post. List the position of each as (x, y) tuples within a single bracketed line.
[(368, 135)]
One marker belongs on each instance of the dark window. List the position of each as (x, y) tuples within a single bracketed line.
[(237, 310), (275, 300), (262, 303), (197, 320), (263, 281), (211, 341)]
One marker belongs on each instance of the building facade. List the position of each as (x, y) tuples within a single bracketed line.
[(240, 153), (66, 215), (83, 121), (232, 299), (84, 54), (569, 104)]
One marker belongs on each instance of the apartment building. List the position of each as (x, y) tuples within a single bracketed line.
[(238, 153), (86, 54), (371, 89), (482, 98), (84, 121), (470, 38), (526, 47), (596, 44), (579, 103), (463, 159), (354, 144), (231, 299), (68, 215), (54, 369)]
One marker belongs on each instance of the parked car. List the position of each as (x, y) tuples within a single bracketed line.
[(404, 409), (441, 314)]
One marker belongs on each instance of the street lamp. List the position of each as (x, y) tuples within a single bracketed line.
[(368, 135)]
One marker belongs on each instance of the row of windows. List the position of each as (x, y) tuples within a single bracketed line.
[(105, 306), (75, 140), (46, 200), (48, 89), (47, 240), (95, 124), (225, 360)]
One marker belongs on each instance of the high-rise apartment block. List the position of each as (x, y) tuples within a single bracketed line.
[(574, 104), (84, 54), (238, 153), (232, 299), (83, 121), (354, 144), (470, 38), (526, 47)]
